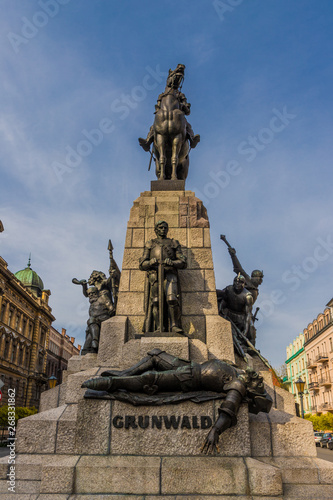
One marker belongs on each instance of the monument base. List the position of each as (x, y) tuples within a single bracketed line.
[(81, 449), (167, 185)]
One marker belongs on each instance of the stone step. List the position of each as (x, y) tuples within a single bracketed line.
[(302, 470), (198, 476), (308, 492), (45, 474)]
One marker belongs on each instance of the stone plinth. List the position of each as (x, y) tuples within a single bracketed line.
[(188, 223)]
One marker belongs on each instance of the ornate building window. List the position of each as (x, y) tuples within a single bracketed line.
[(24, 324), (13, 353), (42, 337), (6, 351), (10, 316), (2, 312), (20, 360), (17, 320), (27, 357)]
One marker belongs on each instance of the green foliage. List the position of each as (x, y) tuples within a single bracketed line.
[(327, 421), (321, 422), (314, 419), (20, 412)]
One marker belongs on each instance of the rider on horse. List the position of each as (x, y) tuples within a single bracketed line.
[(174, 82)]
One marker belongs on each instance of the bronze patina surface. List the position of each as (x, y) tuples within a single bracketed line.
[(171, 134)]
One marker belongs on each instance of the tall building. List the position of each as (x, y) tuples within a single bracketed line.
[(25, 320), (297, 368), (61, 347), (318, 337)]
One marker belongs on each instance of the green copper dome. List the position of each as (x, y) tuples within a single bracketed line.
[(31, 280)]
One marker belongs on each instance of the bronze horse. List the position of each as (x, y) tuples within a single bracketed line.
[(171, 132)]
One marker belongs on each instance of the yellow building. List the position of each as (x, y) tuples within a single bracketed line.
[(25, 320), (61, 347)]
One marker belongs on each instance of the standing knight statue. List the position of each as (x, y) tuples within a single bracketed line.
[(171, 133), (161, 259)]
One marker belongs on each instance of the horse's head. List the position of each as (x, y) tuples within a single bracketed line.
[(176, 77)]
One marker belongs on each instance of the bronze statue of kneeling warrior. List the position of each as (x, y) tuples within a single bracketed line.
[(160, 378)]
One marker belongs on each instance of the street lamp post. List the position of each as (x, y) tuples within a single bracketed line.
[(300, 389)]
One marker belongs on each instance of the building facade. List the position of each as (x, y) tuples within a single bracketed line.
[(318, 337), (61, 347), (297, 368), (25, 320)]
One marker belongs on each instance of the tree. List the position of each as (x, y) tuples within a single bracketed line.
[(20, 412)]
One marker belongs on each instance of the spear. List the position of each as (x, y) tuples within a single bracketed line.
[(113, 267)]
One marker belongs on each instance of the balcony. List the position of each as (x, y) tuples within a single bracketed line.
[(325, 381), (314, 386), (311, 363), (326, 407), (321, 358)]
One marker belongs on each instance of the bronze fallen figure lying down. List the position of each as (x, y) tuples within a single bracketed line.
[(160, 378)]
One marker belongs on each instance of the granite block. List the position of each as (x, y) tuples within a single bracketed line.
[(114, 474)]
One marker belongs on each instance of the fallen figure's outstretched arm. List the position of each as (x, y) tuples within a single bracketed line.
[(228, 417)]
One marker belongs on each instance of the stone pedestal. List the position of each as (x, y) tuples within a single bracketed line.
[(188, 223), (78, 449)]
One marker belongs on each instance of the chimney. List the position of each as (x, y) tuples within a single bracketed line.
[(72, 340), (63, 331)]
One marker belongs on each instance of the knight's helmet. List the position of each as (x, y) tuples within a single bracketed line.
[(176, 76)]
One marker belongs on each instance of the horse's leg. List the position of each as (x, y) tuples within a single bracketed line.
[(176, 147), (160, 145)]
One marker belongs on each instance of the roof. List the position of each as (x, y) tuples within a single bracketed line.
[(30, 279)]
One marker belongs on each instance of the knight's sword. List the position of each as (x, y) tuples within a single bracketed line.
[(161, 290)]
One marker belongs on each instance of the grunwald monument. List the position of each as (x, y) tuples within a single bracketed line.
[(170, 398)]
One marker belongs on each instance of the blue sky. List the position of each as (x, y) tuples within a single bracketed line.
[(259, 78)]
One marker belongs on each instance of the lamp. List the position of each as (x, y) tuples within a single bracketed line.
[(52, 382), (300, 384)]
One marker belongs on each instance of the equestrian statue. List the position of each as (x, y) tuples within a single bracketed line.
[(171, 134)]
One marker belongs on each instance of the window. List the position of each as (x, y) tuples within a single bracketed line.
[(17, 320), (6, 351), (10, 316), (42, 337), (3, 310), (12, 355), (27, 357), (20, 360)]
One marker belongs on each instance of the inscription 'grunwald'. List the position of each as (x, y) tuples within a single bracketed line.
[(159, 422)]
